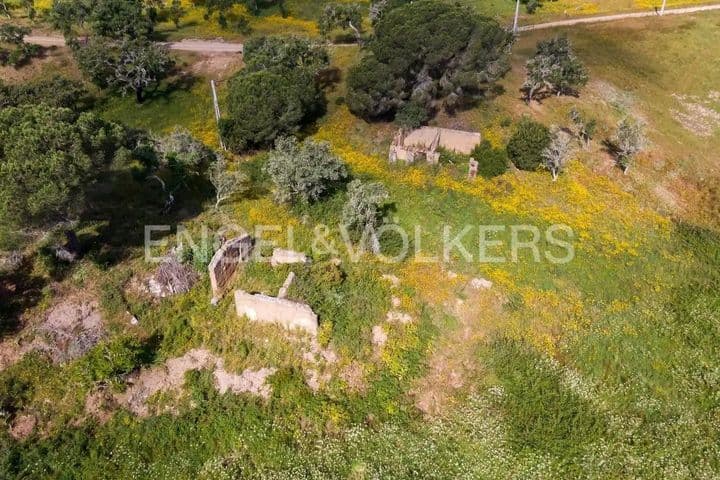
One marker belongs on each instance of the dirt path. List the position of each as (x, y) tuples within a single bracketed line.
[(187, 45), (222, 47), (612, 18)]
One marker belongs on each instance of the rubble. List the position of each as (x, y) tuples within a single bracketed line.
[(287, 257)]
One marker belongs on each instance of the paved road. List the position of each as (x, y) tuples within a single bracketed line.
[(612, 18), (222, 47)]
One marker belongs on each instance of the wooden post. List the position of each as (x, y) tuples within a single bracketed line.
[(662, 10), (216, 107)]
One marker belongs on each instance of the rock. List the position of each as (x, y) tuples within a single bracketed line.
[(396, 302), (480, 284), (379, 337), (400, 317), (394, 281), (286, 286), (287, 257), (286, 313)]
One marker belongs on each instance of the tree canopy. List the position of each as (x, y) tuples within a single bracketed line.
[(284, 53), (430, 52), (115, 19), (303, 172), (343, 16), (132, 65), (55, 91), (47, 157), (276, 94), (555, 69)]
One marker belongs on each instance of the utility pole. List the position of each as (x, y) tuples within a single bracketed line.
[(216, 107), (662, 10), (517, 14)]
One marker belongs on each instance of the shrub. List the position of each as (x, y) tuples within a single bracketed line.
[(412, 115), (113, 358), (56, 91), (492, 162), (363, 207), (527, 144), (303, 172)]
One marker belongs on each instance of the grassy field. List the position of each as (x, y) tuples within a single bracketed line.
[(604, 367)]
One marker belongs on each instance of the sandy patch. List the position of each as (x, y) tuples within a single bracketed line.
[(23, 426), (700, 116), (216, 66), (453, 360), (70, 329), (170, 377)]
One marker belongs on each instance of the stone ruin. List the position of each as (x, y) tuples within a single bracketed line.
[(473, 169), (279, 311), (287, 257), (225, 262), (424, 142)]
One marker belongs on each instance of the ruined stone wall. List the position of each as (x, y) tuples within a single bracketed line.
[(225, 262), (286, 313)]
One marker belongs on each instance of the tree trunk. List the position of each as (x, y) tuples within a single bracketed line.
[(139, 94)]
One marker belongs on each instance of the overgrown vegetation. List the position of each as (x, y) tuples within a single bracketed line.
[(604, 367), (430, 53)]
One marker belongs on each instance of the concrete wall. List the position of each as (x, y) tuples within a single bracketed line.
[(455, 140), (225, 262), (286, 313)]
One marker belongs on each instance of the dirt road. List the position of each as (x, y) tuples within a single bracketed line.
[(198, 46), (612, 18), (222, 47)]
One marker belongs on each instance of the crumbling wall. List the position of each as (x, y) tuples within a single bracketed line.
[(225, 262), (266, 309), (287, 257)]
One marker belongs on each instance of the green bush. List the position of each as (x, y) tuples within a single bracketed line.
[(492, 162), (527, 144), (113, 358), (412, 115)]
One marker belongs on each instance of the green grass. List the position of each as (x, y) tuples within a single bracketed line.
[(602, 368)]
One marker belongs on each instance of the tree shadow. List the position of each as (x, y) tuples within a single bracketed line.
[(124, 202), (20, 290)]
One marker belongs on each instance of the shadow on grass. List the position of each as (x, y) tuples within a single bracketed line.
[(19, 290), (123, 203)]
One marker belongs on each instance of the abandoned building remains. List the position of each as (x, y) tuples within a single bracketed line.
[(278, 311), (424, 143), (225, 262)]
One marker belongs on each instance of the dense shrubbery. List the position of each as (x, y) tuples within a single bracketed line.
[(48, 157), (56, 91), (491, 161), (527, 144), (429, 52)]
